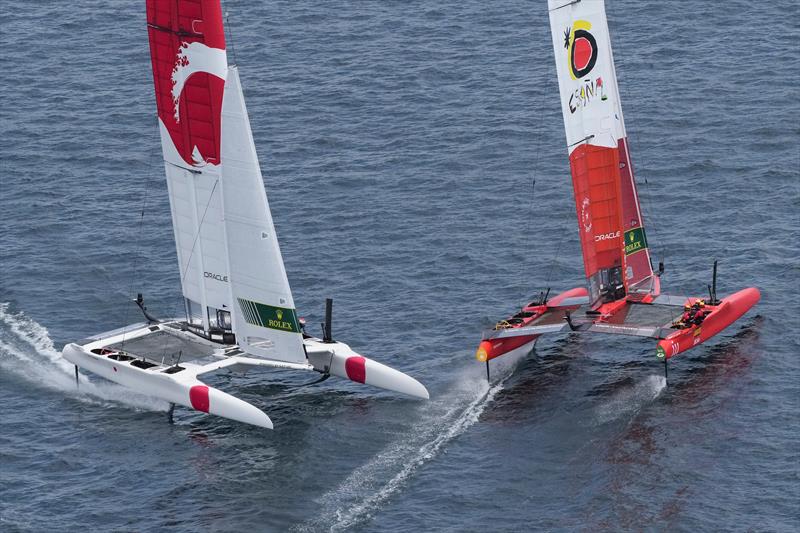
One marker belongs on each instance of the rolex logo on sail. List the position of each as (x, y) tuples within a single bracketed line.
[(269, 316), (635, 240)]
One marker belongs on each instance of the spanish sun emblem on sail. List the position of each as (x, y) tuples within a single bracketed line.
[(582, 53)]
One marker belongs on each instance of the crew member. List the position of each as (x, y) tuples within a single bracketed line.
[(699, 312), (686, 318)]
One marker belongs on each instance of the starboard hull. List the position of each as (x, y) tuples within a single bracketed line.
[(728, 311)]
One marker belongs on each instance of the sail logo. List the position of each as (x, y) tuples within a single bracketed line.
[(586, 217), (635, 240), (582, 55), (189, 75), (218, 277), (581, 49), (269, 316), (586, 94), (606, 236), (279, 323)]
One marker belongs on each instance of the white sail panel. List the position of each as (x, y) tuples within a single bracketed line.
[(264, 318), (586, 78), (196, 203)]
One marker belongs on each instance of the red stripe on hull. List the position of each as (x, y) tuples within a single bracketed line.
[(198, 395), (356, 368), (725, 314)]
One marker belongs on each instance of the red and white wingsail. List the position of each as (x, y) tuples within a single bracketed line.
[(615, 254), (232, 272)]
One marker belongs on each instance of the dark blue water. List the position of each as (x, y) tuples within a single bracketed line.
[(399, 142)]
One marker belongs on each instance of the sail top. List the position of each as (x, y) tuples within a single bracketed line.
[(187, 46), (615, 255)]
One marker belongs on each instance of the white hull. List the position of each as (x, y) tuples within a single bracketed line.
[(106, 356)]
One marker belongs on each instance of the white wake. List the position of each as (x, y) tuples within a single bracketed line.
[(441, 420), (629, 401), (27, 352)]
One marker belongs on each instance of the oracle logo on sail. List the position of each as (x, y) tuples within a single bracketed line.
[(218, 277), (606, 236)]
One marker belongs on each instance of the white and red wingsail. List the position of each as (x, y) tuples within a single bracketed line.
[(616, 257), (623, 295), (232, 271)]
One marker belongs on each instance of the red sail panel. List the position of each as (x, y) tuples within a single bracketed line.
[(637, 255), (596, 182), (187, 48)]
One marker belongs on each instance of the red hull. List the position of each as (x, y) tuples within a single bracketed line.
[(722, 316), (490, 349)]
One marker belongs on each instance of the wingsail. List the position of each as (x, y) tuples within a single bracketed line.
[(232, 272), (615, 254)]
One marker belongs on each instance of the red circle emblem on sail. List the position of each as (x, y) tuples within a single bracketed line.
[(583, 53)]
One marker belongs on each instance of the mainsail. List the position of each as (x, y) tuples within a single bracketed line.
[(615, 254), (232, 273)]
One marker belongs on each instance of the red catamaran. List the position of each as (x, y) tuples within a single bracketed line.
[(623, 294)]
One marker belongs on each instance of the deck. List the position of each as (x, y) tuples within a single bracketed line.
[(166, 347)]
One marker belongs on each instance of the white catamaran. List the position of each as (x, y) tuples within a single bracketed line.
[(239, 308)]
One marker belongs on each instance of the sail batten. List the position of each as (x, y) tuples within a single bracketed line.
[(613, 241)]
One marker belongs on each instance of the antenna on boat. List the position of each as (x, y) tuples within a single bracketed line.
[(327, 336), (712, 289)]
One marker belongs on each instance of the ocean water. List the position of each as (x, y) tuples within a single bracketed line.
[(399, 143)]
